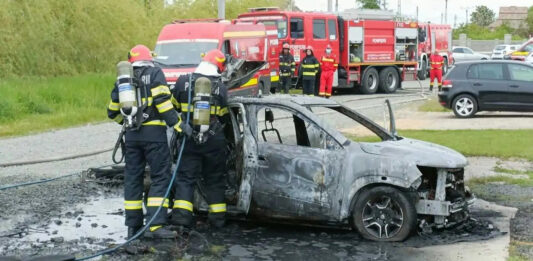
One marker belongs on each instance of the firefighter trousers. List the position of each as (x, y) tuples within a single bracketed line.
[(308, 86), (208, 162), (284, 84), (435, 73), (157, 155), (326, 83)]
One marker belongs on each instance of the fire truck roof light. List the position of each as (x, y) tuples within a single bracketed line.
[(263, 9)]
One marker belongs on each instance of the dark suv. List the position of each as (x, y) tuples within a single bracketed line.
[(475, 86)]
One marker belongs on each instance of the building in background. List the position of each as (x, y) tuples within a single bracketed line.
[(514, 16)]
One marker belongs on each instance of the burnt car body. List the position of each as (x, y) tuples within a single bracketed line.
[(315, 174)]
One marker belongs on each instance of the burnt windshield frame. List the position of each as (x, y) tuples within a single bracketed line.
[(361, 119)]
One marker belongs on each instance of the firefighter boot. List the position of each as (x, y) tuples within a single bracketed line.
[(217, 220), (132, 231), (181, 218), (160, 232)]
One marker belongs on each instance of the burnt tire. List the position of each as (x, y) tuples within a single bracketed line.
[(464, 106), (370, 81), (389, 80), (384, 214), (422, 74)]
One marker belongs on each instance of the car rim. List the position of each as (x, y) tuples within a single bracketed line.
[(464, 106), (382, 217)]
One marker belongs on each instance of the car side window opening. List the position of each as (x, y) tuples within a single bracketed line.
[(489, 71), (468, 51), (297, 28), (347, 126), (332, 29), (282, 126), (458, 50), (520, 72), (319, 29)]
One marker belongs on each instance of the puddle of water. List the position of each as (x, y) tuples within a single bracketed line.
[(96, 221)]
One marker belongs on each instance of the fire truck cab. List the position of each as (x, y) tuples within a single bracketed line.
[(181, 45), (434, 37), (372, 54)]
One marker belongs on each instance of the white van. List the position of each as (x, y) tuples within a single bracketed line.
[(503, 49)]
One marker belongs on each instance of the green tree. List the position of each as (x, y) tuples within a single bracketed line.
[(529, 19), (368, 4), (483, 16)]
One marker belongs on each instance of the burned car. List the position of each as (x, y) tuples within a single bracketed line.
[(298, 158)]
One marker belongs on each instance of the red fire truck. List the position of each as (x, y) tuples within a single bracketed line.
[(434, 37), (180, 47), (372, 54)]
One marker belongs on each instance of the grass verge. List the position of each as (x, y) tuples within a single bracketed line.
[(432, 105), (31, 105), (490, 143)]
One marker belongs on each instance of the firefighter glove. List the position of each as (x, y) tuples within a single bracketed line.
[(184, 129)]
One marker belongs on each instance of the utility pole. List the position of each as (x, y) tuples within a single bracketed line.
[(466, 16), (455, 21), (337, 6), (330, 6), (446, 11), (399, 7), (384, 4), (417, 13), (222, 9)]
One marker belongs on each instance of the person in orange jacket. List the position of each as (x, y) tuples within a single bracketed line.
[(329, 64), (436, 62)]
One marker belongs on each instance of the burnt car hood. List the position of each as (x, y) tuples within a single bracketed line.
[(420, 152)]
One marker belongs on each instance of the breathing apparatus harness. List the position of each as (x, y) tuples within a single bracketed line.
[(204, 124), (134, 105)]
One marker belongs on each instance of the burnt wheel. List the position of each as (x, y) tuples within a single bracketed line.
[(384, 214)]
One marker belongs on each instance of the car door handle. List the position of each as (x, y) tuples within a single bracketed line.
[(477, 84), (514, 86)]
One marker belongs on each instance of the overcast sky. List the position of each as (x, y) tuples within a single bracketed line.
[(428, 10)]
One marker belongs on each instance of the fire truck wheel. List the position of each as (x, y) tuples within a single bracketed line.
[(422, 74), (370, 81), (389, 80)]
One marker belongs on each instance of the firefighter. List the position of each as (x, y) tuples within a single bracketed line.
[(205, 153), (436, 62), (147, 144), (308, 70), (286, 69), (328, 63)]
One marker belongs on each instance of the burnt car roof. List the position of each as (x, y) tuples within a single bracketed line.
[(302, 100)]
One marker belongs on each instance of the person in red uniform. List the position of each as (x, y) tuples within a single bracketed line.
[(436, 62), (328, 64)]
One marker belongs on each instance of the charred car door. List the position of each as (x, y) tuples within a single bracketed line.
[(243, 148), (298, 163)]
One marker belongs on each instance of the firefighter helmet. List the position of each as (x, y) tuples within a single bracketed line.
[(139, 53), (286, 46), (216, 57)]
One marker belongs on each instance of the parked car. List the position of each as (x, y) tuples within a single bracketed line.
[(501, 50), (290, 160), (461, 53), (504, 85)]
